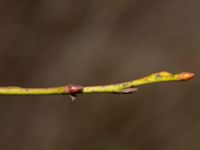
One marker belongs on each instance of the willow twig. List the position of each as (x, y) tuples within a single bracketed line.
[(120, 88)]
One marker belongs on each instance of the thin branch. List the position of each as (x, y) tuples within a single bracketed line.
[(120, 88)]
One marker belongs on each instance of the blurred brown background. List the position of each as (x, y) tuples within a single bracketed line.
[(53, 43)]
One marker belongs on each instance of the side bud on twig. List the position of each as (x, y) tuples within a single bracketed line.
[(73, 90)]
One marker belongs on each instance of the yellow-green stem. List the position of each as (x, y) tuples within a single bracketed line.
[(153, 78), (123, 88), (32, 91)]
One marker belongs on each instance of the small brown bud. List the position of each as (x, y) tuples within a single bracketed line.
[(73, 89), (129, 90)]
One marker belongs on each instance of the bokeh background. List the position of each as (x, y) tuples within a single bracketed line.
[(46, 43)]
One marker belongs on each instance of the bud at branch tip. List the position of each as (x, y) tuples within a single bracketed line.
[(186, 76)]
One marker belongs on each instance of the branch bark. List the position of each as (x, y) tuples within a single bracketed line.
[(120, 88)]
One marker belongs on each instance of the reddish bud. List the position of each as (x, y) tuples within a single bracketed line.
[(74, 89), (186, 76)]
